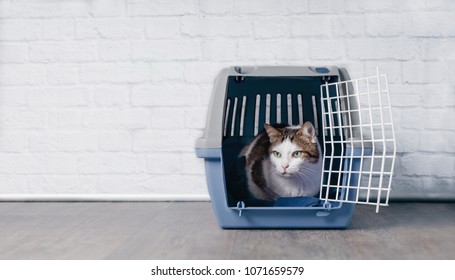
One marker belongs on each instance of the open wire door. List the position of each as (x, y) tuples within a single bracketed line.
[(359, 141)]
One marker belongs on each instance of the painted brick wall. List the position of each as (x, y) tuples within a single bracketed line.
[(108, 96)]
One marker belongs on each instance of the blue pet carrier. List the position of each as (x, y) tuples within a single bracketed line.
[(353, 123)]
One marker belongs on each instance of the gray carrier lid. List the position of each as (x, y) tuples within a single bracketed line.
[(213, 133)]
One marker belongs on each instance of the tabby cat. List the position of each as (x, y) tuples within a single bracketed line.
[(283, 161)]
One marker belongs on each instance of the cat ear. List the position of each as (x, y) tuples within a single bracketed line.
[(274, 134), (307, 130)]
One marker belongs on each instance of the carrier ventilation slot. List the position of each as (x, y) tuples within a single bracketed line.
[(226, 116), (278, 108), (289, 109), (267, 108), (242, 116), (300, 108), (315, 115), (234, 110), (235, 113), (256, 115)]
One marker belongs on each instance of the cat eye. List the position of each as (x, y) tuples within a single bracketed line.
[(276, 154), (297, 154)]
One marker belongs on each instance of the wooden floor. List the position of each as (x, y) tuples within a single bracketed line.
[(173, 230)]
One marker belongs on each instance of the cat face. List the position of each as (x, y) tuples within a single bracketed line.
[(291, 148)]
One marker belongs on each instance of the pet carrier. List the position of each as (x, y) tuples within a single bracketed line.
[(352, 121)]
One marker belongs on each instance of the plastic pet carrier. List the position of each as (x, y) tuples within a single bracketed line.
[(352, 121)]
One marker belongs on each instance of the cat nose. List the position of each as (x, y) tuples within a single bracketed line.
[(285, 166)]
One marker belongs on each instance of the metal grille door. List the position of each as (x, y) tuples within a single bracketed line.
[(359, 141)]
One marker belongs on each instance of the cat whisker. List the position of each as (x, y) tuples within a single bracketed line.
[(308, 169)]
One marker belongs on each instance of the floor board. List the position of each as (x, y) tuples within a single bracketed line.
[(188, 230)]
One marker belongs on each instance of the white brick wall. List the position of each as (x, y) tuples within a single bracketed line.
[(109, 96)]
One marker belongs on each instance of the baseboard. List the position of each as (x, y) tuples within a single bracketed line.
[(103, 197), (182, 197), (423, 198)]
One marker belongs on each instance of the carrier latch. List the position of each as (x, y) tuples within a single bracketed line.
[(327, 206), (240, 207), (326, 78), (239, 70)]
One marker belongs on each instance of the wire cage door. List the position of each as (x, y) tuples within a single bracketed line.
[(359, 141)]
